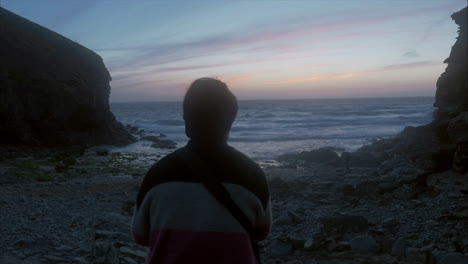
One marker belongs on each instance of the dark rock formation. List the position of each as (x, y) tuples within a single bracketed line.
[(53, 91), (442, 144), (321, 155), (451, 117), (452, 89)]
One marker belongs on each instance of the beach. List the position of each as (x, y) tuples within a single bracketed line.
[(83, 213)]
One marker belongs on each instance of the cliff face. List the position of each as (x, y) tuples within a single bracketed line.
[(442, 144), (452, 89), (53, 91)]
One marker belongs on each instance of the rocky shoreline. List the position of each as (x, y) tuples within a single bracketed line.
[(398, 200), (323, 211)]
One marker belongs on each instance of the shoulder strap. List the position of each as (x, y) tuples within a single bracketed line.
[(217, 189)]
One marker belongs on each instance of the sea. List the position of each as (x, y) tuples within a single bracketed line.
[(265, 129)]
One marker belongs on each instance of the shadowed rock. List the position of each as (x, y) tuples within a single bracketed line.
[(442, 144), (53, 91)]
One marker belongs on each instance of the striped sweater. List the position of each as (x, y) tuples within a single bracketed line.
[(181, 222)]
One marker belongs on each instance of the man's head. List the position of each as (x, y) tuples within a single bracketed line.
[(209, 110)]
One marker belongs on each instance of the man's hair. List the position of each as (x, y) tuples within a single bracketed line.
[(209, 109)]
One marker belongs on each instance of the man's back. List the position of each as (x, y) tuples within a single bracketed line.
[(181, 221)]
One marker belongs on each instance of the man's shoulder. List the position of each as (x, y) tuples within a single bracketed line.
[(244, 161), (165, 164)]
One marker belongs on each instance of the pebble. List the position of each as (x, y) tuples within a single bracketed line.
[(311, 244)]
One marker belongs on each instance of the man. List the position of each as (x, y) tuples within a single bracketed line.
[(176, 215)]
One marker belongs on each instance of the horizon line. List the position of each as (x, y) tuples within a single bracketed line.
[(278, 99)]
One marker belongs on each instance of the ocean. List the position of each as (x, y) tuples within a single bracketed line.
[(265, 129)]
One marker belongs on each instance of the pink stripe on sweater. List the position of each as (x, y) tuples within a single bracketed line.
[(171, 246)]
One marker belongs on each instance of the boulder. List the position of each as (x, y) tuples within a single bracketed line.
[(53, 91), (399, 248), (160, 143), (362, 159), (279, 248), (364, 244), (106, 253), (344, 223), (321, 155), (453, 258), (166, 143)]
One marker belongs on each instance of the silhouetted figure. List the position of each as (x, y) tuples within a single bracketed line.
[(181, 213)]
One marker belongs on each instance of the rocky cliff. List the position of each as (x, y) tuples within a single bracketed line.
[(452, 89), (53, 91), (442, 144)]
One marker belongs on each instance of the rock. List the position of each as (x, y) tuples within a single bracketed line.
[(321, 155), (279, 183), (297, 243), (63, 248), (102, 151), (295, 217), (390, 222), (438, 254), (150, 138), (61, 167), (343, 246), (384, 187), (129, 260), (457, 127), (279, 248), (362, 159), (453, 258), (460, 158), (364, 244), (311, 244), (105, 251), (67, 88), (160, 143), (344, 223), (168, 144), (108, 234), (405, 192), (112, 221), (69, 161), (25, 243), (416, 254), (399, 248), (80, 260), (452, 92), (9, 260), (54, 259), (133, 252), (132, 129)]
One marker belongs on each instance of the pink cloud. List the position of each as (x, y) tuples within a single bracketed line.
[(322, 77)]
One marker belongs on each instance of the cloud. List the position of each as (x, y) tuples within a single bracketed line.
[(322, 77), (262, 39), (410, 55), (407, 65)]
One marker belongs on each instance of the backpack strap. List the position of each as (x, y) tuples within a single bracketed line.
[(217, 189)]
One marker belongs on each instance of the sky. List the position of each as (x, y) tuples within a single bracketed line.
[(262, 49)]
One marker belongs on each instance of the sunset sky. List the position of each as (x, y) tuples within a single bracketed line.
[(263, 49)]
